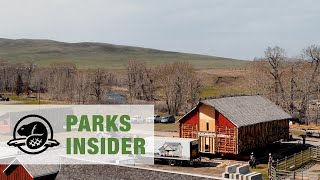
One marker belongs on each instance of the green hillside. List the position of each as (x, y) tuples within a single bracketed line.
[(87, 54)]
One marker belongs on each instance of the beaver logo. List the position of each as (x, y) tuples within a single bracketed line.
[(35, 135)]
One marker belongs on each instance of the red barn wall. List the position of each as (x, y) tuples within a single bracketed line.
[(188, 126), (222, 121), (191, 118), (16, 172), (2, 167)]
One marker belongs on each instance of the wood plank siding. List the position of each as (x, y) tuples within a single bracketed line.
[(262, 134), (206, 118), (15, 172)]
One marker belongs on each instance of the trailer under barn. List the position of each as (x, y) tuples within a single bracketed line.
[(235, 125)]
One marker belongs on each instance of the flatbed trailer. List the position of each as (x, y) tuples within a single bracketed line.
[(313, 133), (176, 151)]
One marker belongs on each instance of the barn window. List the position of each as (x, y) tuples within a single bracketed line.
[(207, 126)]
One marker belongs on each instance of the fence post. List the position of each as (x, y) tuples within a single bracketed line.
[(270, 165), (310, 153), (302, 161), (294, 156), (285, 166), (294, 169)]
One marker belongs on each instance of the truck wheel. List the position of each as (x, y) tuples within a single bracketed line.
[(172, 162)]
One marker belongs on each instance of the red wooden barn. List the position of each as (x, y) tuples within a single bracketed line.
[(12, 169), (234, 125)]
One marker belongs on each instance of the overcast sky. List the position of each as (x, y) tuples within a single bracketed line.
[(231, 28)]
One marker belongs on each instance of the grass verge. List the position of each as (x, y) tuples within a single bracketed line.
[(170, 127)]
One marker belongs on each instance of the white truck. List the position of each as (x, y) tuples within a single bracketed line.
[(176, 151), (313, 133)]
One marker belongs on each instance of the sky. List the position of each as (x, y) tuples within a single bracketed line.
[(240, 29)]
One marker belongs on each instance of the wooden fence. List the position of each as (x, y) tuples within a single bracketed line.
[(286, 167), (297, 160), (285, 175)]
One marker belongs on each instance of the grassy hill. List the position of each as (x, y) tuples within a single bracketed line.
[(87, 54)]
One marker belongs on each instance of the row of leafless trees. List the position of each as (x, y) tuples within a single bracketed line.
[(175, 84), (61, 82), (291, 82)]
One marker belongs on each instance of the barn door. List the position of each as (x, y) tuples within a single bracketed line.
[(207, 144)]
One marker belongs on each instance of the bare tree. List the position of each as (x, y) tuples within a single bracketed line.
[(179, 86), (62, 81), (30, 68), (140, 81), (82, 85), (19, 85), (292, 83), (312, 56), (98, 83), (275, 56)]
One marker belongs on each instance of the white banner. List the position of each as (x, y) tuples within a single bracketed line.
[(85, 134)]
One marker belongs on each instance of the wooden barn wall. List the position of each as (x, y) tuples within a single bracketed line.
[(226, 140), (16, 172), (206, 117), (191, 118), (2, 167), (222, 121), (188, 126), (260, 135)]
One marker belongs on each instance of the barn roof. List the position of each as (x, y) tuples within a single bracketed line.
[(247, 110), (48, 164), (36, 170)]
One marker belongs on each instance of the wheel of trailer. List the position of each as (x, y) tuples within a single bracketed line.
[(191, 163), (172, 162)]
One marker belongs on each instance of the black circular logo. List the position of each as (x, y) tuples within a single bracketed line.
[(33, 134)]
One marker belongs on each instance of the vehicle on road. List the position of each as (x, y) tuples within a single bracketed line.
[(153, 119), (2, 98), (176, 151), (312, 133), (137, 119), (168, 119)]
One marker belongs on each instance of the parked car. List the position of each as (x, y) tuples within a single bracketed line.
[(153, 119), (4, 98), (168, 119), (136, 119)]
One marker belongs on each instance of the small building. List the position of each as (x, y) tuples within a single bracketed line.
[(235, 125), (171, 149)]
